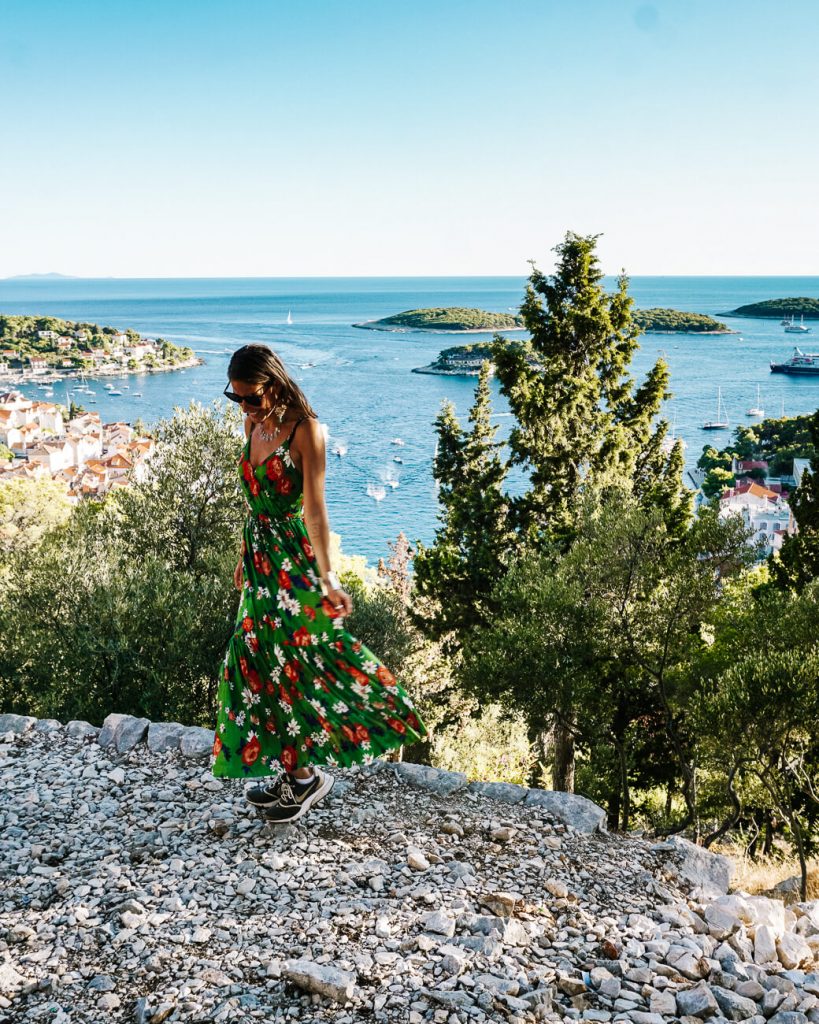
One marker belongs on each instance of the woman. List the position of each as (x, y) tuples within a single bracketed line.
[(298, 690)]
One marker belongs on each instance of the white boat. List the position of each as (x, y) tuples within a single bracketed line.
[(376, 491), (340, 448), (397, 458), (756, 410), (115, 391), (797, 328), (137, 394), (720, 423), (396, 440), (289, 317)]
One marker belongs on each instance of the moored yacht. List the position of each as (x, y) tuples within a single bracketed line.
[(799, 363), (756, 410), (721, 422), (797, 328)]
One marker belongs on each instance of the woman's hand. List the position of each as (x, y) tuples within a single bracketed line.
[(237, 576), (341, 598)]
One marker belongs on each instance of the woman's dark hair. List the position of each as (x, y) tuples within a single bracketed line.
[(258, 364)]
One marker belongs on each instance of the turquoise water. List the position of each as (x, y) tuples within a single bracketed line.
[(361, 384)]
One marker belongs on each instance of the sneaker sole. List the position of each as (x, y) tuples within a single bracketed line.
[(310, 801)]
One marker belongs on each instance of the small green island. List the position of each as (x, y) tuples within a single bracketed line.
[(465, 360), (450, 319), (34, 346), (674, 321), (808, 308)]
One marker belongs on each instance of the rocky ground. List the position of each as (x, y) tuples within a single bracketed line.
[(136, 887)]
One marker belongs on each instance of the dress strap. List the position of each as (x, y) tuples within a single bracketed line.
[(293, 431)]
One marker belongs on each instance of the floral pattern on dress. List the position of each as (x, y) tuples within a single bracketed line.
[(297, 688)]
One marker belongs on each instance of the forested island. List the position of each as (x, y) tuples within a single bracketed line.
[(465, 360), (809, 308), (451, 318), (674, 321), (41, 344)]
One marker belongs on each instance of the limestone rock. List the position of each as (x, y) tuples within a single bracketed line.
[(569, 808), (764, 945), (709, 872), (196, 742), (108, 732), (321, 978), (47, 725), (734, 1006), (435, 779), (16, 724), (508, 792), (793, 951), (163, 736), (79, 730), (417, 859), (698, 1001), (439, 921)]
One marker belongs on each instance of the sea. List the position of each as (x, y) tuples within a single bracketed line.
[(361, 382)]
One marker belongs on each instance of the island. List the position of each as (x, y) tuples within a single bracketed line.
[(808, 308), (450, 319), (40, 347), (674, 321), (465, 360)]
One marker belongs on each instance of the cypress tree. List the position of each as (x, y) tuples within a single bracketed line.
[(471, 548), (798, 561)]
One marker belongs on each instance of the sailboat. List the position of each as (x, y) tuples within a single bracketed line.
[(718, 423), (289, 317), (756, 410), (797, 328)]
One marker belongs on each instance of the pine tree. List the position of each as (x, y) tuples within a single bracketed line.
[(580, 420), (798, 561), (579, 416), (454, 576)]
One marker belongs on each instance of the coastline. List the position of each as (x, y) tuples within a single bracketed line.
[(373, 325), (450, 373), (690, 333), (22, 377), (769, 316)]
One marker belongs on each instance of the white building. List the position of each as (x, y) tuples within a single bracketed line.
[(762, 510)]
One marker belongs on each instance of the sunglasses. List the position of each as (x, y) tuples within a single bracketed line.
[(251, 399)]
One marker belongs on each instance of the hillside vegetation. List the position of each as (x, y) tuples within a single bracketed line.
[(674, 320), (779, 307), (451, 318)]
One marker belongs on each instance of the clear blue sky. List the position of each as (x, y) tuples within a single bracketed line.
[(323, 137)]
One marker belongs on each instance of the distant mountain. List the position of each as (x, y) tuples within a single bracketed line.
[(39, 277)]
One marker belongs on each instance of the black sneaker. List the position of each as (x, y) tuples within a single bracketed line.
[(295, 800), (266, 793)]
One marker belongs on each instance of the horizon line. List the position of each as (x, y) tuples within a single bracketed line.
[(56, 277)]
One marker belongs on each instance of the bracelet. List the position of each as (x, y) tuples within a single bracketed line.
[(330, 580)]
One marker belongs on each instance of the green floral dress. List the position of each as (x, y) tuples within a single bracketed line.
[(297, 688)]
